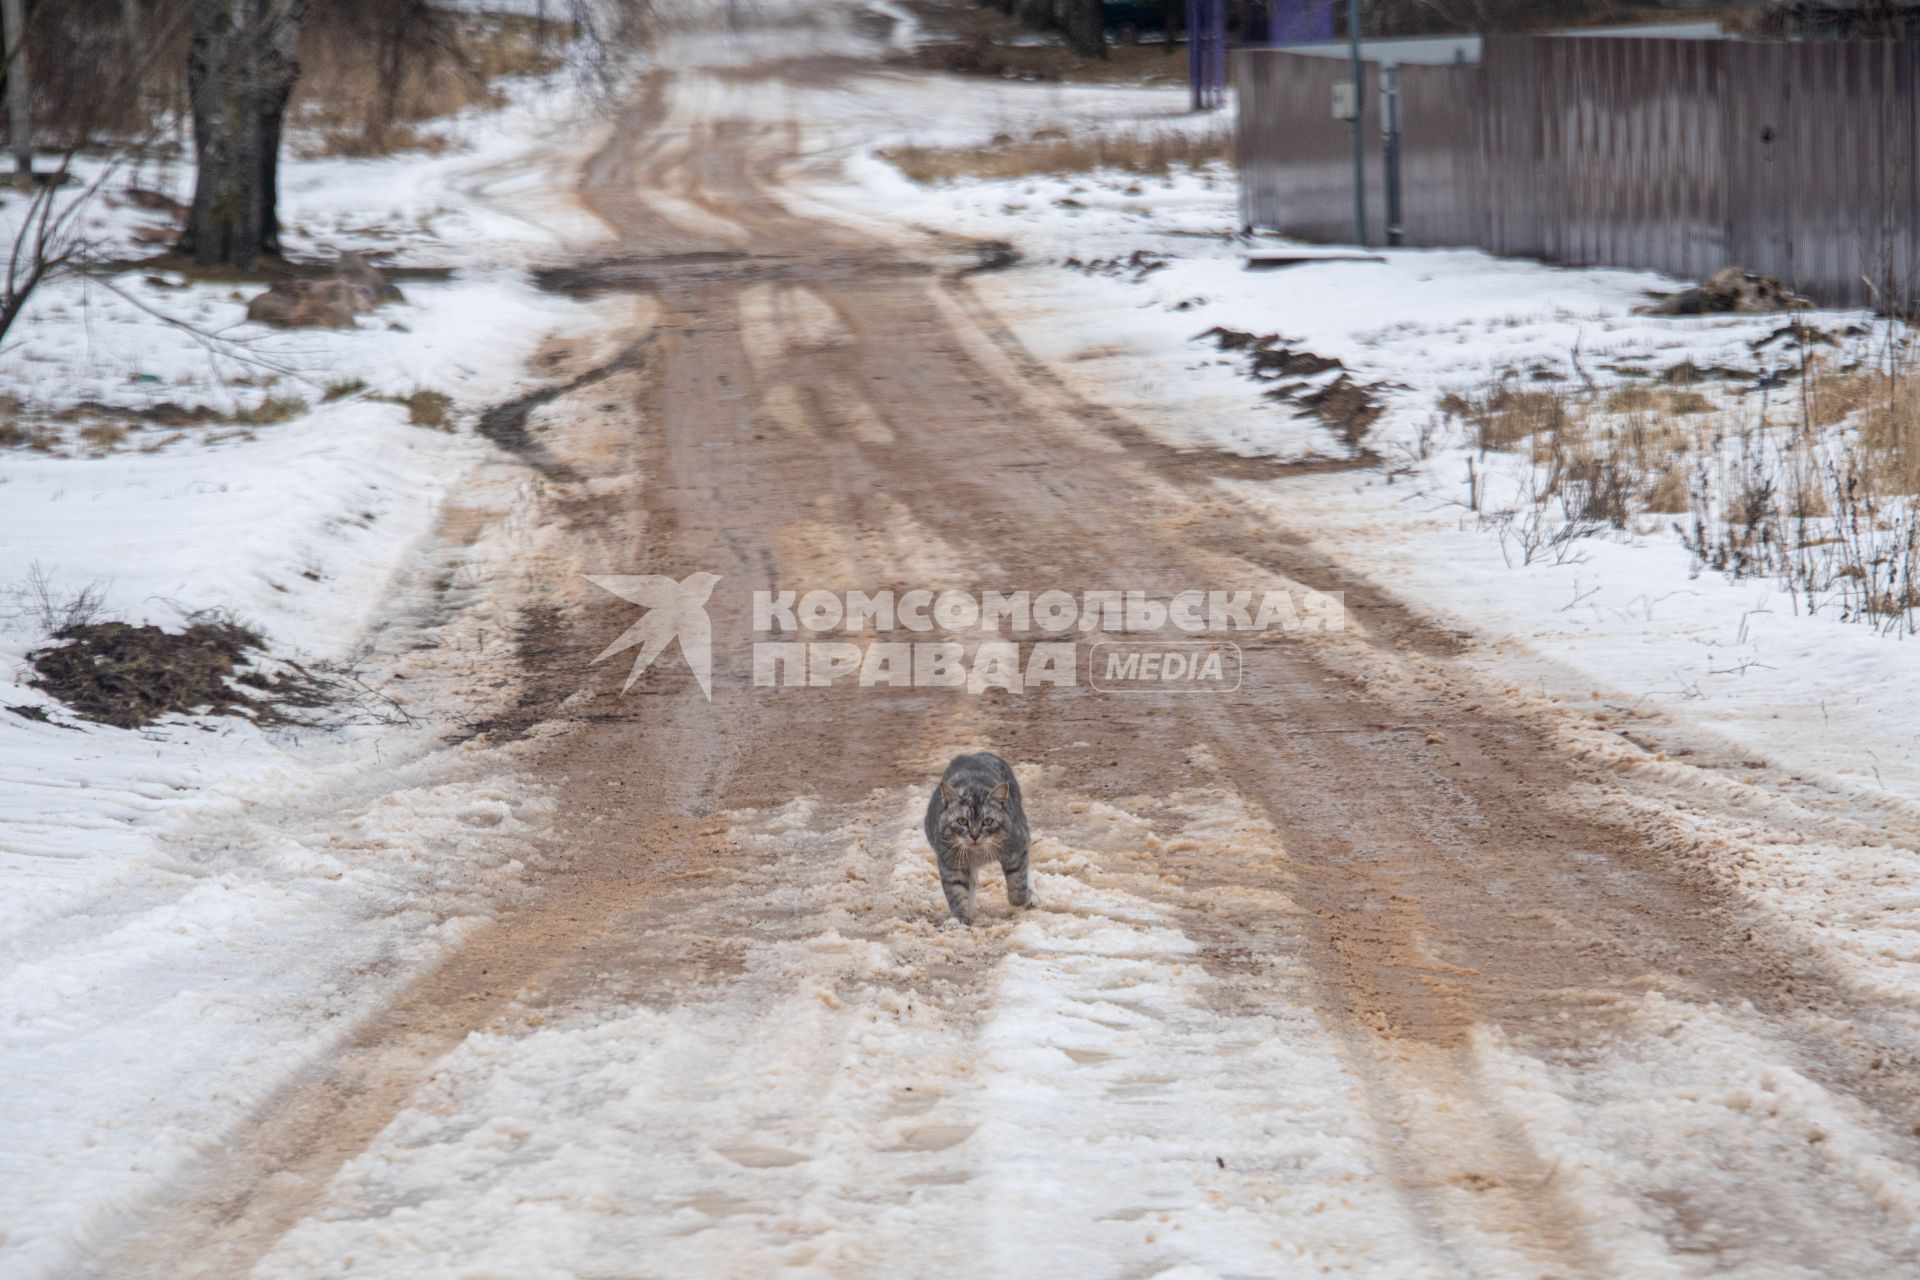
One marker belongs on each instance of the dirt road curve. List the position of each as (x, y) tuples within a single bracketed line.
[(1530, 1002)]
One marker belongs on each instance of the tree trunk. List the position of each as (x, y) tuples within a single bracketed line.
[(131, 69), (240, 73), (1036, 15), (13, 16), (1085, 22), (409, 33)]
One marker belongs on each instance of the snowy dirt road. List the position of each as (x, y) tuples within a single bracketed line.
[(1358, 970)]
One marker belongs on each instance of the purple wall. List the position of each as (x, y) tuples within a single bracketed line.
[(1300, 21)]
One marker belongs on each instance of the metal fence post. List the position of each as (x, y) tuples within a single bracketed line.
[(1207, 53), (1193, 54), (1219, 53), (1390, 145), (1359, 125)]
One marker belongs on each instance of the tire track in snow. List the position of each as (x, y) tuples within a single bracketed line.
[(1459, 961), (872, 1094)]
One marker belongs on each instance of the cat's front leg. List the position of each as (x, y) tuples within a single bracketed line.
[(958, 884), (1019, 886)]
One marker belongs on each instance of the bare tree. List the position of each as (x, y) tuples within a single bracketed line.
[(49, 241), (412, 28), (240, 73), (46, 237)]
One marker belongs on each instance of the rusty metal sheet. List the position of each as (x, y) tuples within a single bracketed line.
[(1442, 192), (1296, 159), (1609, 152), (1797, 160)]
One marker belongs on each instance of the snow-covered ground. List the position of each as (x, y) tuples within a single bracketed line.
[(1622, 620), (195, 910), (1074, 1092), (868, 1098), (1782, 743)]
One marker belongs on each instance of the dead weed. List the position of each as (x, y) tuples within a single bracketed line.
[(1052, 151)]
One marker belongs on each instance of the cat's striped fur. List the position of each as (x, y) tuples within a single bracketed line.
[(974, 819)]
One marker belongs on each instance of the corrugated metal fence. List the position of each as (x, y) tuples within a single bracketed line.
[(1800, 161)]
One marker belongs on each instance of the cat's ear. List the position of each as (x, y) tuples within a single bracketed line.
[(999, 794), (947, 794)]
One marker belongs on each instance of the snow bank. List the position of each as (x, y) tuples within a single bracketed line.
[(195, 911)]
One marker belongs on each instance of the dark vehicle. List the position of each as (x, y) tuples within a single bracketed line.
[(1128, 20)]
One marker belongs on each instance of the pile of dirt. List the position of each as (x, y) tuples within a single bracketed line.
[(1269, 357), (1730, 290), (1687, 373), (128, 676), (1798, 333), (1137, 266), (334, 300), (1343, 403), (989, 255)]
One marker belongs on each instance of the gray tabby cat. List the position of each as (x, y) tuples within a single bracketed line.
[(973, 819)]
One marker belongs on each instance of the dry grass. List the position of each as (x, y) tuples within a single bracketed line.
[(273, 409), (103, 437), (430, 409), (1832, 395), (1890, 433), (39, 438), (1811, 479), (87, 90), (1806, 489), (987, 56), (50, 607), (1050, 151), (359, 143), (1504, 416), (979, 40), (1668, 494), (1881, 401), (358, 99), (1632, 398)]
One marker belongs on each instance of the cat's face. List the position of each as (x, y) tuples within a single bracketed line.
[(974, 815)]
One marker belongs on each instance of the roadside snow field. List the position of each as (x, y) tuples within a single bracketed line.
[(1624, 619), (195, 911)]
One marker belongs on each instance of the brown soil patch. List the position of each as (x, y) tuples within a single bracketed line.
[(128, 676)]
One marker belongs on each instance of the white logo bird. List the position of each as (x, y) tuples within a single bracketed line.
[(675, 610)]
